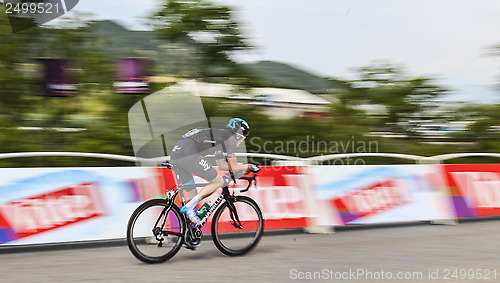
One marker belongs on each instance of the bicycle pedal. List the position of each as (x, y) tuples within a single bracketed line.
[(190, 248)]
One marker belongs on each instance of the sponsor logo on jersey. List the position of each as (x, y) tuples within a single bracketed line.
[(205, 165)]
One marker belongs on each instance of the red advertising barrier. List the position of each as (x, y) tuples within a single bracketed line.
[(474, 189), (281, 195)]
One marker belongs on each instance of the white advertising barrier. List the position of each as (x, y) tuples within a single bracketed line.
[(49, 205), (380, 194)]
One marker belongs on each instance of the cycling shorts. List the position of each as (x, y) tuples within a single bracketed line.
[(188, 163)]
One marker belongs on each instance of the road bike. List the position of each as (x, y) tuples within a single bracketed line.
[(157, 229)]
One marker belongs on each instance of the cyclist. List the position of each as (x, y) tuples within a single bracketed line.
[(188, 156)]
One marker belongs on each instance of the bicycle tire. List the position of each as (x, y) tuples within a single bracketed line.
[(252, 227), (140, 236)]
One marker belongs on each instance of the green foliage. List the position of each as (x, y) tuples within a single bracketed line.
[(30, 122), (209, 28), (14, 49), (96, 120), (387, 85)]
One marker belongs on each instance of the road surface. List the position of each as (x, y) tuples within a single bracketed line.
[(413, 253)]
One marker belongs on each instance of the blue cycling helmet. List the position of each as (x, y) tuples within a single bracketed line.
[(238, 125)]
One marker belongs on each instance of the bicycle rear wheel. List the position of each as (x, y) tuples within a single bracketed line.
[(154, 233), (229, 236)]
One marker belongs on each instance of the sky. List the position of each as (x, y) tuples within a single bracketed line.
[(449, 40)]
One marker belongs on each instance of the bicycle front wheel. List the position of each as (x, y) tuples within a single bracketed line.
[(154, 232), (233, 237)]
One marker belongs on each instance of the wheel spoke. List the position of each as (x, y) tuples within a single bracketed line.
[(237, 238), (154, 234)]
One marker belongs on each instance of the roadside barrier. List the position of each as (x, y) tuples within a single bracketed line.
[(55, 205)]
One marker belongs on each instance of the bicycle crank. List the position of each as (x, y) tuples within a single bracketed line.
[(192, 238)]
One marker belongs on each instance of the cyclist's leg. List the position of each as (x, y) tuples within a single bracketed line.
[(198, 166), (202, 168), (209, 189), (182, 158), (206, 191), (183, 178)]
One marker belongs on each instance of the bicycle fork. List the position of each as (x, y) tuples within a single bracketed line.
[(233, 213), (232, 209)]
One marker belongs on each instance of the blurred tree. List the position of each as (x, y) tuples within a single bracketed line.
[(14, 49), (30, 122), (486, 123), (387, 85), (208, 28), (74, 39)]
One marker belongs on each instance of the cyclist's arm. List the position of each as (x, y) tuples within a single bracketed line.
[(232, 164)]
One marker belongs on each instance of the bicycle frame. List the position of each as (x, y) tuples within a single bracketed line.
[(185, 232), (226, 195)]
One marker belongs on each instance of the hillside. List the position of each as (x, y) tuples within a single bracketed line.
[(117, 41), (283, 75)]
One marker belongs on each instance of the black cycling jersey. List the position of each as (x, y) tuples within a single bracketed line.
[(207, 142), (188, 153)]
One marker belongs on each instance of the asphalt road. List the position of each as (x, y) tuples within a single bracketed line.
[(469, 252)]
